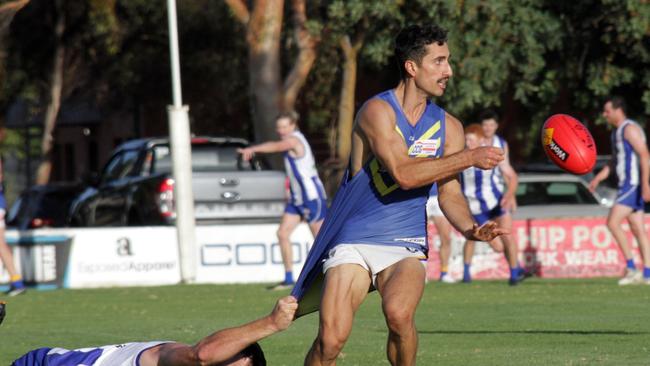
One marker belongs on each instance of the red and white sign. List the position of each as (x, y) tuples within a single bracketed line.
[(551, 248)]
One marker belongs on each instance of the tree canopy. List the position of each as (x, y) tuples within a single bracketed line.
[(526, 59)]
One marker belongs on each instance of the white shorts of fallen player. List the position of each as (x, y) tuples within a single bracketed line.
[(373, 258)]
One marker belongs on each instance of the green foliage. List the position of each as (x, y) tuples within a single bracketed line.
[(526, 58)]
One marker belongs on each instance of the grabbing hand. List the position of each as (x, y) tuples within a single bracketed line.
[(487, 157), (246, 153), (485, 232), (283, 312)]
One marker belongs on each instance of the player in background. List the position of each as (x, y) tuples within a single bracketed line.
[(307, 200), (16, 286), (630, 158), (487, 200), (443, 229), (232, 346)]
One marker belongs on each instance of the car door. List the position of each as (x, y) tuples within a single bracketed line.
[(114, 189)]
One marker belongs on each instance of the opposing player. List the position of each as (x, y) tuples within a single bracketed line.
[(631, 158), (443, 229), (16, 285), (483, 191), (308, 200), (232, 346), (374, 236)]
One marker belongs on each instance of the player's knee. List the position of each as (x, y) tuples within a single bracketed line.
[(330, 344), (283, 234), (398, 318), (613, 224), (497, 247)]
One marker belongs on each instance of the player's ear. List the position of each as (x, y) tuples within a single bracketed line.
[(410, 66)]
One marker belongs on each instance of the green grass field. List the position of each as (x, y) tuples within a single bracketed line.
[(542, 322)]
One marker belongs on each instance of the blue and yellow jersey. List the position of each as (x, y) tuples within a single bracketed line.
[(371, 208), (389, 215)]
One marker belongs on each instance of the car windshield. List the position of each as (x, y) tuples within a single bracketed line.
[(553, 193), (205, 157)]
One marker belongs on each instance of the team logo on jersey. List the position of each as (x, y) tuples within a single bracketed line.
[(425, 147)]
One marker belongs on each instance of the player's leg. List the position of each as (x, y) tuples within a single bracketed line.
[(288, 224), (468, 254), (638, 229), (401, 286), (510, 249), (317, 213), (615, 219), (344, 289), (443, 227), (16, 283)]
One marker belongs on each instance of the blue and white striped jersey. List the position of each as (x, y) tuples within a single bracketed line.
[(627, 160), (305, 185), (484, 188), (127, 354)]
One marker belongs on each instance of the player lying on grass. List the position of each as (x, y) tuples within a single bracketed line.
[(233, 346)]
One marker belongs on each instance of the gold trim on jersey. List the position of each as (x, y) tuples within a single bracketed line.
[(382, 188)]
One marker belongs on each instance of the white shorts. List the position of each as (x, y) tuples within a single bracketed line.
[(373, 258), (433, 207)]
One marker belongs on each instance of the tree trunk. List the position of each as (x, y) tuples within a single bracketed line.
[(306, 56), (7, 13), (47, 143), (346, 101), (263, 36)]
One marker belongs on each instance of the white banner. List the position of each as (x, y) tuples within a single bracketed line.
[(247, 253), (143, 256), (148, 256)]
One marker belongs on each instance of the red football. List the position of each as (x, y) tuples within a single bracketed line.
[(568, 144)]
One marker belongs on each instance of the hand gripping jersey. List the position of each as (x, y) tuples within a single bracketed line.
[(371, 208), (127, 354), (627, 161), (303, 176)]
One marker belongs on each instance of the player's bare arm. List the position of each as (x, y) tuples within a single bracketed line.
[(509, 200), (290, 143), (602, 175), (450, 196), (635, 136), (226, 344), (376, 123)]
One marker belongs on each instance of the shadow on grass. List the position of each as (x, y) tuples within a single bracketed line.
[(553, 332)]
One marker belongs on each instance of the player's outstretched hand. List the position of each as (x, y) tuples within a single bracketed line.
[(284, 312), (246, 153), (486, 232), (487, 157)]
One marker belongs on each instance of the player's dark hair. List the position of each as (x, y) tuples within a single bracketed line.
[(488, 114), (411, 41), (292, 115), (618, 102), (254, 351)]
